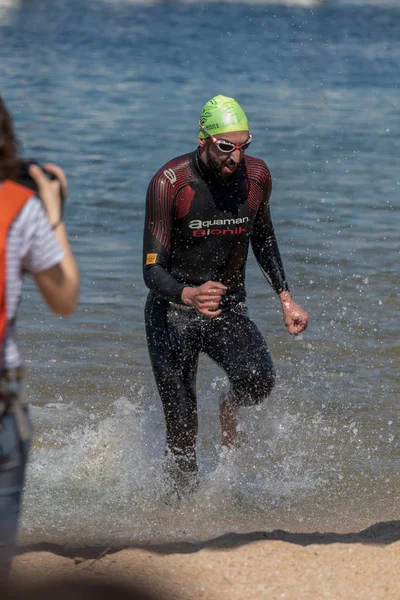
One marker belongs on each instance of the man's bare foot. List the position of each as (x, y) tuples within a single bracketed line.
[(228, 419)]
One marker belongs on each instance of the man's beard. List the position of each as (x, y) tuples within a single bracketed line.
[(216, 168)]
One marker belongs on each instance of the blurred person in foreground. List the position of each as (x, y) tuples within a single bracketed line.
[(84, 589), (203, 209), (33, 240)]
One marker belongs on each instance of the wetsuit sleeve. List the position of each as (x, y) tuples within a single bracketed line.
[(264, 243), (160, 202)]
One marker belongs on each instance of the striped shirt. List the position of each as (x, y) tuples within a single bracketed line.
[(31, 247)]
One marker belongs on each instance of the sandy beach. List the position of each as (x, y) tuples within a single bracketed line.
[(272, 565)]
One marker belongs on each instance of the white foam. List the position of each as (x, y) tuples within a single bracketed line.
[(6, 8), (377, 3), (105, 478)]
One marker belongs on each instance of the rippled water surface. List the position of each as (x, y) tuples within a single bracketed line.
[(111, 90)]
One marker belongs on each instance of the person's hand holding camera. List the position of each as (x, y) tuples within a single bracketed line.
[(51, 191), (59, 284)]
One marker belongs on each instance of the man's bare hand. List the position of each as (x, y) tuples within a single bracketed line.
[(296, 319), (205, 298)]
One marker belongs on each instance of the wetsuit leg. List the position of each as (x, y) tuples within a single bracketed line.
[(174, 343), (235, 343)]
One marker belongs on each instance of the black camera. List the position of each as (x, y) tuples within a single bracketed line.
[(26, 180)]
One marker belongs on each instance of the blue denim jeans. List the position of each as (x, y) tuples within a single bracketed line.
[(13, 459)]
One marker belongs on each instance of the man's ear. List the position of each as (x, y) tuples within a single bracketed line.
[(202, 142)]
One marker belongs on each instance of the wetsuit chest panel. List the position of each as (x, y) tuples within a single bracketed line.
[(211, 229), (199, 229)]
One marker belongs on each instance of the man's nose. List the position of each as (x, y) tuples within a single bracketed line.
[(236, 155)]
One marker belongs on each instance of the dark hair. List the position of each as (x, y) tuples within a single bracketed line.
[(8, 145)]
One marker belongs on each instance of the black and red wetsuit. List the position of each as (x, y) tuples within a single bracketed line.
[(198, 229)]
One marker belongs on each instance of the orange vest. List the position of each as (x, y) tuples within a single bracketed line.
[(13, 197)]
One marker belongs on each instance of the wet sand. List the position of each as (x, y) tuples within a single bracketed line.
[(271, 565)]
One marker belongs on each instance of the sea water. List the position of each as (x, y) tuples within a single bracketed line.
[(111, 90)]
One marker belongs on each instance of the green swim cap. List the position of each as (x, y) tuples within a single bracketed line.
[(222, 115)]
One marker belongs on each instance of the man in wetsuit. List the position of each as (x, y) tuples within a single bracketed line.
[(202, 211)]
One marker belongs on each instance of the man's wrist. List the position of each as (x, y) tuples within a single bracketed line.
[(187, 295), (286, 300), (285, 296)]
